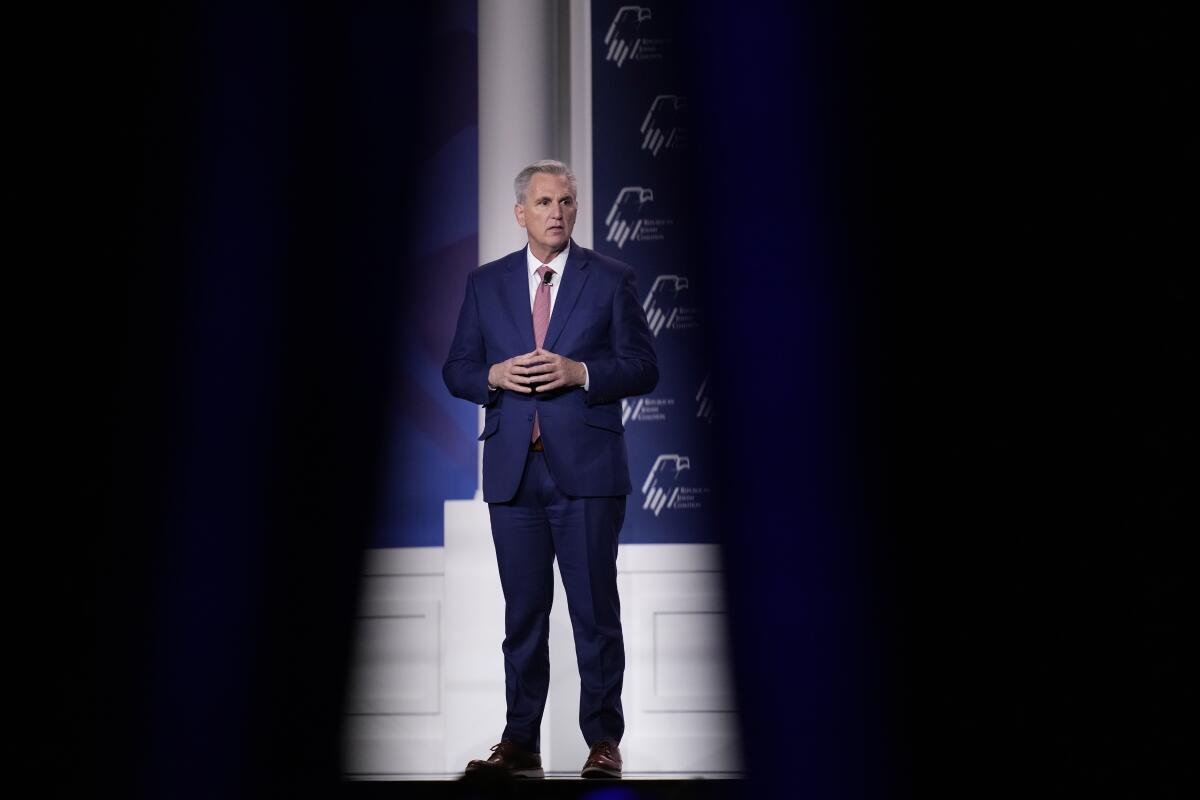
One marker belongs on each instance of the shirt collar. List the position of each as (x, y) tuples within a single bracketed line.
[(558, 263)]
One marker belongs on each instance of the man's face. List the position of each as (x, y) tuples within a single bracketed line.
[(548, 213)]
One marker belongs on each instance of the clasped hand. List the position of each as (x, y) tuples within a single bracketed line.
[(538, 371)]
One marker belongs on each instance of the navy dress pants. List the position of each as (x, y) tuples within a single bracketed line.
[(539, 524)]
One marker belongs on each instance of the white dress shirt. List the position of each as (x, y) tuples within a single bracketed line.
[(558, 264)]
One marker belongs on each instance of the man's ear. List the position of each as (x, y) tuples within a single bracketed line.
[(519, 213)]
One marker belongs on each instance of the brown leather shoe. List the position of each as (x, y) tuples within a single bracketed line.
[(603, 762), (508, 759)]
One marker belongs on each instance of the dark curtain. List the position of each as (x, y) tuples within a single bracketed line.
[(221, 187)]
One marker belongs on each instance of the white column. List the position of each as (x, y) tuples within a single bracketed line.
[(580, 105), (524, 116), (561, 723), (520, 83)]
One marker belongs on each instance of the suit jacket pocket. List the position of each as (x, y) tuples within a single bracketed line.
[(607, 416)]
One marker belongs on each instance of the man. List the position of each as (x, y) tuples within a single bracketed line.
[(549, 340)]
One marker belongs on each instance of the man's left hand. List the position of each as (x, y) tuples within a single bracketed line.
[(556, 370)]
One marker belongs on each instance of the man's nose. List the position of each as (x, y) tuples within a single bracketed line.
[(557, 212)]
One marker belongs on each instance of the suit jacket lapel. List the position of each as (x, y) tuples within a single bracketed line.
[(573, 279), (516, 299)]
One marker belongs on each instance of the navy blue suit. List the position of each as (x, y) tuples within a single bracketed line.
[(567, 502)]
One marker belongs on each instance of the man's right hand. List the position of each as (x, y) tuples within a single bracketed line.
[(513, 374)]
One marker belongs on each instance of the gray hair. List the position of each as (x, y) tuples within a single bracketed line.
[(550, 167)]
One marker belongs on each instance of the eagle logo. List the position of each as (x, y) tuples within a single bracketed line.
[(623, 37), (661, 128), (662, 301), (660, 489), (624, 219)]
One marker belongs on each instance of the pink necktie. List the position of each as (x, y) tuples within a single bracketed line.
[(541, 321)]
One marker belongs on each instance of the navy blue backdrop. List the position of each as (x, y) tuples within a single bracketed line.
[(432, 446), (644, 216)]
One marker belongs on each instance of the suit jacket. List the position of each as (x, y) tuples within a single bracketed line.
[(597, 319)]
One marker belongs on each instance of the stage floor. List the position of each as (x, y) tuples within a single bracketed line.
[(556, 786), (552, 776)]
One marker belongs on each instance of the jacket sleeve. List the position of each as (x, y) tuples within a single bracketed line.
[(634, 369), (466, 369)]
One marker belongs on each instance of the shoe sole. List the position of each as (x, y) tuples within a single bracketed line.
[(600, 772), (492, 773)]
